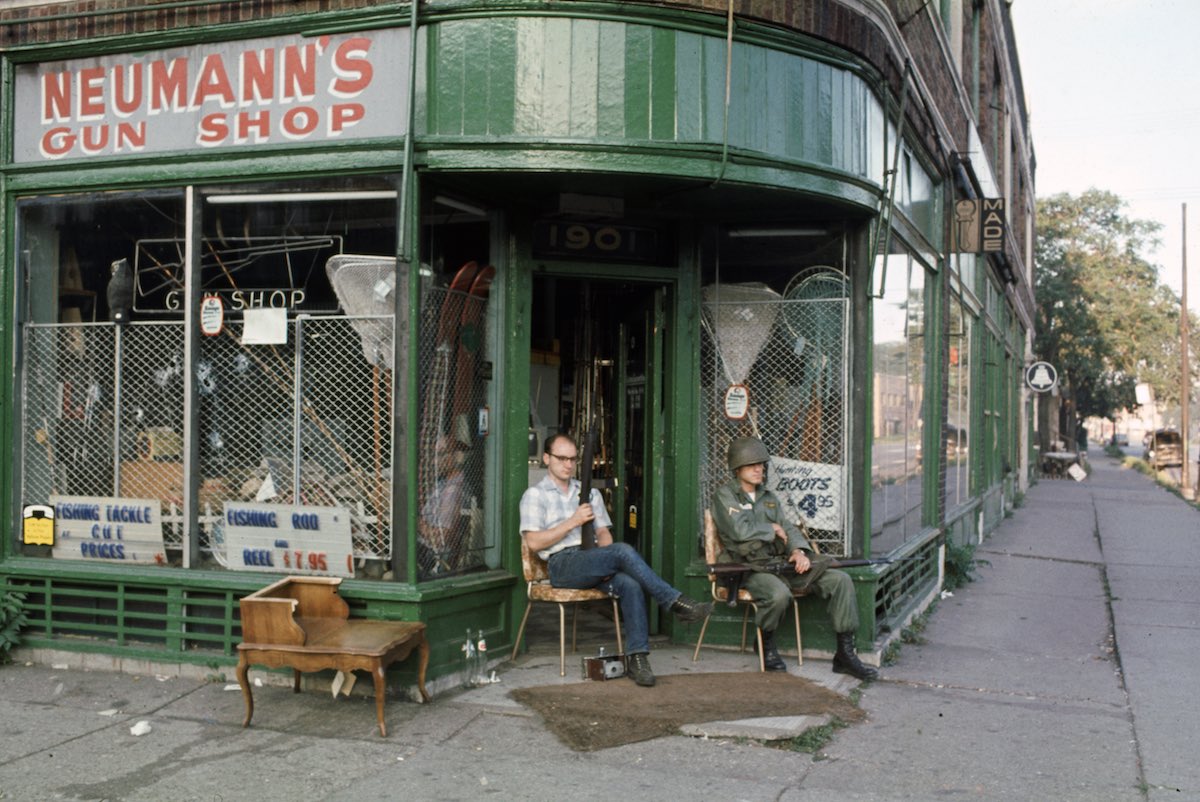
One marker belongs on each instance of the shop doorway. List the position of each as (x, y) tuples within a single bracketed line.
[(597, 363)]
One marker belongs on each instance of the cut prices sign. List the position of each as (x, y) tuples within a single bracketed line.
[(267, 91)]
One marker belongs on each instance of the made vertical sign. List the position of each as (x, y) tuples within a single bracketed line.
[(980, 225)]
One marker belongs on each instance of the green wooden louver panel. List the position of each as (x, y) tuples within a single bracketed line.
[(547, 79)]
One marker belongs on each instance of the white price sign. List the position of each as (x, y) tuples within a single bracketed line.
[(212, 315), (100, 529), (737, 402), (281, 538)]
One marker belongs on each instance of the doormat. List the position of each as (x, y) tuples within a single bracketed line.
[(587, 716)]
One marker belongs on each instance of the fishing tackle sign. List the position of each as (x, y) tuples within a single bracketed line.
[(278, 90), (101, 529)]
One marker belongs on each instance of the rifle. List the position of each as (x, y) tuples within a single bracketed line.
[(731, 575), (588, 530)]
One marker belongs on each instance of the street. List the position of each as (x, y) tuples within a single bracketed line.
[(1061, 673)]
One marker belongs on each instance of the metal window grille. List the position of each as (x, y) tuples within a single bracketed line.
[(451, 454), (796, 373), (313, 416)]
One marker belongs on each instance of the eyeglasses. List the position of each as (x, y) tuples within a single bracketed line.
[(561, 458)]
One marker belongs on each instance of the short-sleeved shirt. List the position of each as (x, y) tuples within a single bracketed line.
[(544, 506)]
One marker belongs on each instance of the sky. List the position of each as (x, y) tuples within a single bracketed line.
[(1113, 93)]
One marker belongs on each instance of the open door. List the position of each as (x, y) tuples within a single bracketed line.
[(596, 359)]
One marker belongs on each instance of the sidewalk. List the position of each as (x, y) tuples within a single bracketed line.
[(1063, 672)]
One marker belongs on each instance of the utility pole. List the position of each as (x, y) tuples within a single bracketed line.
[(1185, 381)]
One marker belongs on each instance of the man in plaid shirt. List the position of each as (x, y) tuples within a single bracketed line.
[(551, 523)]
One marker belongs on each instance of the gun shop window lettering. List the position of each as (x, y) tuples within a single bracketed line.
[(280, 413)]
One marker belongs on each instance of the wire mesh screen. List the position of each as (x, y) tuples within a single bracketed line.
[(451, 458), (68, 386), (345, 429), (305, 423), (150, 369), (790, 353)]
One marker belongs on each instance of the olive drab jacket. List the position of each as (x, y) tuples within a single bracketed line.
[(744, 525)]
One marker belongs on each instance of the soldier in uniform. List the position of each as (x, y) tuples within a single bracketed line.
[(753, 529)]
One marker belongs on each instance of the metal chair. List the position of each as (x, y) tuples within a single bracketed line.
[(538, 588), (720, 595)]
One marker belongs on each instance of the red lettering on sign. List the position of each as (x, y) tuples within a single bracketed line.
[(213, 82), (168, 85), (259, 122), (266, 93), (91, 93), (299, 72), (127, 89), (300, 121), (353, 70), (258, 76), (94, 138), (213, 130), (131, 137), (344, 115), (56, 96), (57, 142)]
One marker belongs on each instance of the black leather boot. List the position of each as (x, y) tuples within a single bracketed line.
[(771, 659), (690, 609), (638, 669), (846, 661)]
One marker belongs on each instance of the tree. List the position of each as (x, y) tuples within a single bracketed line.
[(1103, 318)]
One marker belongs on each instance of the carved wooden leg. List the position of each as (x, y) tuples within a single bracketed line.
[(243, 671), (295, 680), (379, 673), (423, 657)]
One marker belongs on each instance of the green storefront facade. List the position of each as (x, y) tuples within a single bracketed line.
[(370, 257)]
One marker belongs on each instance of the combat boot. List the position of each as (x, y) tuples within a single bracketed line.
[(638, 669), (690, 609), (771, 659), (846, 661)]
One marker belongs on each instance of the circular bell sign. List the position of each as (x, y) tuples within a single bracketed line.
[(1041, 377)]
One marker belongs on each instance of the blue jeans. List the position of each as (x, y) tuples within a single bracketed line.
[(630, 575)]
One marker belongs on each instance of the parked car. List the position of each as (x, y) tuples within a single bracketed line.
[(1163, 448), (1119, 439)]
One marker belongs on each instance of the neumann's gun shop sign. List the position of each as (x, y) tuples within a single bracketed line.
[(811, 492), (271, 91)]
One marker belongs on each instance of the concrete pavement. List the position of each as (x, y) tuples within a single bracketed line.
[(1065, 671)]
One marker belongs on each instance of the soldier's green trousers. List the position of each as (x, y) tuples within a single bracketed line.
[(772, 596)]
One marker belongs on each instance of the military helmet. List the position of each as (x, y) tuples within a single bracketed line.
[(747, 451)]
